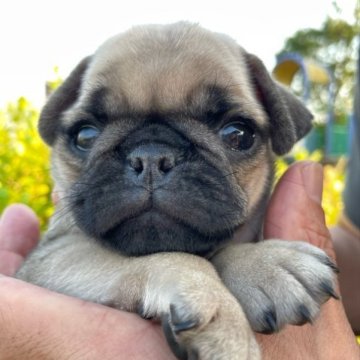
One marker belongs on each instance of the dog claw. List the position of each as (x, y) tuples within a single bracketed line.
[(304, 315), (328, 289), (271, 322), (193, 355), (179, 322), (179, 351), (141, 312), (174, 323), (327, 261)]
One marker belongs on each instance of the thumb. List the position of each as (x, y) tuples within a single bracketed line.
[(295, 211), (19, 233)]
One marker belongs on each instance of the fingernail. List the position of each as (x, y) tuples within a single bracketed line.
[(312, 176)]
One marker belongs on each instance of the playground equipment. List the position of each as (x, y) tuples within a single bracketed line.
[(287, 66)]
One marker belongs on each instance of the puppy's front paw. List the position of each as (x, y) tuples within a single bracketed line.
[(278, 282), (209, 326), (200, 317)]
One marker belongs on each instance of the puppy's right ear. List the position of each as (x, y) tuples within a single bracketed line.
[(61, 100), (289, 118)]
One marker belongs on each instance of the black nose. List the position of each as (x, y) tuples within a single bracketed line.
[(150, 163)]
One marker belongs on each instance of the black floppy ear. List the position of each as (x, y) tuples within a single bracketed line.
[(61, 100), (290, 119)]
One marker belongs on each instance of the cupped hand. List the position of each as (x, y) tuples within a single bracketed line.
[(39, 324), (295, 213)]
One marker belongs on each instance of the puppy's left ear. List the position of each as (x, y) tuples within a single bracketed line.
[(290, 119), (61, 100)]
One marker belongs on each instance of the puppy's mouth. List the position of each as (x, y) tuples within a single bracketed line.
[(138, 222), (153, 229), (147, 218), (154, 232)]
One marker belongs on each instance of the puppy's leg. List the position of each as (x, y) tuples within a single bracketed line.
[(201, 319), (277, 282)]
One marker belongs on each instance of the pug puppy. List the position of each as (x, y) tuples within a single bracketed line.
[(163, 147)]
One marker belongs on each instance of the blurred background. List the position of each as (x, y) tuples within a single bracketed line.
[(310, 46)]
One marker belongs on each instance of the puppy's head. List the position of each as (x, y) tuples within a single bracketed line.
[(163, 140)]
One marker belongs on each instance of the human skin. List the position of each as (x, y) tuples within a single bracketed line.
[(347, 248), (295, 213), (38, 324)]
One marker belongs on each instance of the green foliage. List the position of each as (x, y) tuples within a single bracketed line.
[(55, 82), (24, 160), (335, 46)]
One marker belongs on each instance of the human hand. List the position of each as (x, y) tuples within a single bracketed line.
[(48, 325), (39, 324), (295, 213)]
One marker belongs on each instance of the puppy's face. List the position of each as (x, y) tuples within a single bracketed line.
[(164, 139)]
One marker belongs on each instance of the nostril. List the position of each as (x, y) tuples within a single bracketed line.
[(166, 164), (137, 164), (153, 161)]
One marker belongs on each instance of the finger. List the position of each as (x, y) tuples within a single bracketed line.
[(41, 323), (19, 229), (295, 212), (9, 262)]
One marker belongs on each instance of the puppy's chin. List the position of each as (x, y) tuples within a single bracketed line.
[(153, 231)]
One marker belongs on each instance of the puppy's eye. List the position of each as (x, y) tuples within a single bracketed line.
[(238, 136), (85, 137)]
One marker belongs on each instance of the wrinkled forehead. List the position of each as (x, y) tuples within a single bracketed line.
[(154, 70)]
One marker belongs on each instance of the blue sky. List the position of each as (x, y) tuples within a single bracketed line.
[(37, 35)]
